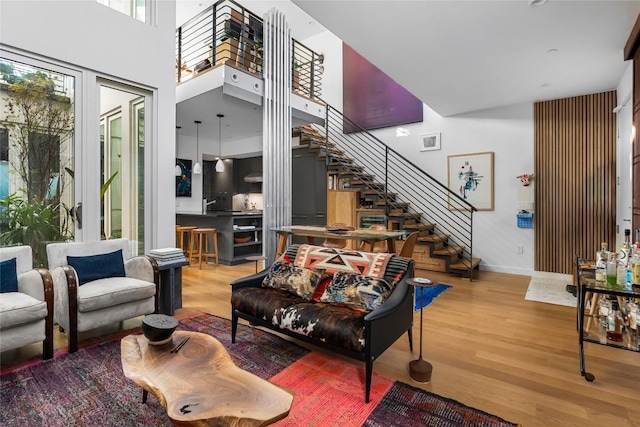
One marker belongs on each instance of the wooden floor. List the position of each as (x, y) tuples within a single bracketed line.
[(490, 349)]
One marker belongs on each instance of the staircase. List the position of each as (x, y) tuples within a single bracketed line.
[(410, 198)]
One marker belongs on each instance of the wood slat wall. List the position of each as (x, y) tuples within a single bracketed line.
[(575, 172)]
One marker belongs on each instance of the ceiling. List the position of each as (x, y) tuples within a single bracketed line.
[(456, 56), (463, 56)]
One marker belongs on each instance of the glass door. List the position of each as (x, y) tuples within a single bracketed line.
[(122, 165), (37, 168)]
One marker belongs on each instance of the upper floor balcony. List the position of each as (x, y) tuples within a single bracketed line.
[(221, 49)]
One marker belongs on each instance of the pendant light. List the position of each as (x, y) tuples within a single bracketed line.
[(178, 171), (220, 163), (197, 169)]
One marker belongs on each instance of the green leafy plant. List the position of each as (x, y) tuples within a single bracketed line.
[(35, 223), (40, 122)]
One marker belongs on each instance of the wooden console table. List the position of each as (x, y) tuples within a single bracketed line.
[(200, 385)]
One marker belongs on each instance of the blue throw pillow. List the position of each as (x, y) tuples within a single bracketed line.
[(8, 276), (94, 267)]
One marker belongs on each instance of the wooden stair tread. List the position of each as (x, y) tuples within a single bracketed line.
[(382, 202), (405, 214), (346, 159), (420, 226), (433, 238), (371, 192), (463, 265), (449, 250), (340, 160)]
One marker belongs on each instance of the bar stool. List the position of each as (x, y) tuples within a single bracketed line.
[(200, 238), (256, 258), (183, 231)]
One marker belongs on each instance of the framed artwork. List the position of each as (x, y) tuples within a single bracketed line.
[(471, 177), (430, 141), (183, 182)]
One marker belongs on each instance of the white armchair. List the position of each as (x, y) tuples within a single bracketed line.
[(104, 286), (26, 313)]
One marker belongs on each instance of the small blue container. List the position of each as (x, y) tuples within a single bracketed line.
[(525, 220)]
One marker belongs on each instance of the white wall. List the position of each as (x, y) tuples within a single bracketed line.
[(100, 42), (624, 122)]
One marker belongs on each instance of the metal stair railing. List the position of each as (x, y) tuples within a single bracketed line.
[(452, 215), (226, 32)]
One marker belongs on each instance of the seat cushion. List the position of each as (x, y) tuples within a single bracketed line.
[(17, 309), (339, 326), (8, 276), (94, 267), (112, 291), (263, 302)]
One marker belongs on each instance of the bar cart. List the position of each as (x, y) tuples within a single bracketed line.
[(589, 290)]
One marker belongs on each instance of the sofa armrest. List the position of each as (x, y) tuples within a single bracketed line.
[(64, 293), (253, 281), (144, 267), (395, 300), (31, 283), (140, 267)]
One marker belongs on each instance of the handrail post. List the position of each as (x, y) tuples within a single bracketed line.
[(179, 64), (471, 248), (387, 211), (214, 42), (311, 83)]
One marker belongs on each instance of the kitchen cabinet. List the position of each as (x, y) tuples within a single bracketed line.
[(244, 167), (223, 181), (309, 190)]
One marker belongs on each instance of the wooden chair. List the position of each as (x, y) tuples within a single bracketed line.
[(409, 244), (332, 242), (380, 246)]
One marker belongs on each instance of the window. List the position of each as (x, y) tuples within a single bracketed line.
[(134, 8)]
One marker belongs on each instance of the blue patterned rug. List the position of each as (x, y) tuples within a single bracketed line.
[(424, 295)]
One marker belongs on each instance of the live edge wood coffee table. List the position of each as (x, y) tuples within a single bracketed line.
[(200, 385)]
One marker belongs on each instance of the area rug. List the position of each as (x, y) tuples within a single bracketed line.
[(338, 392), (423, 296), (88, 388), (551, 289)]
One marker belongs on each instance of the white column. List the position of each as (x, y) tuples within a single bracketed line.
[(276, 129)]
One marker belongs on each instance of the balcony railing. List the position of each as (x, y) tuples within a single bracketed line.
[(227, 33)]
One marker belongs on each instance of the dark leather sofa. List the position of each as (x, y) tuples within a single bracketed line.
[(360, 335)]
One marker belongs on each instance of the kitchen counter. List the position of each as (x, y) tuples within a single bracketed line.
[(221, 213), (239, 232)]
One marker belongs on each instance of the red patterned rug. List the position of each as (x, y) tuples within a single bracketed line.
[(88, 388), (329, 392)]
